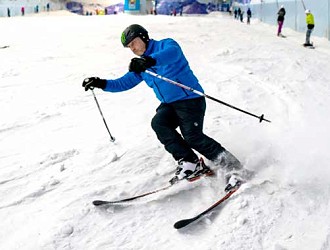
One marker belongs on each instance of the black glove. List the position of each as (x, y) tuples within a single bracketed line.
[(94, 82), (139, 65)]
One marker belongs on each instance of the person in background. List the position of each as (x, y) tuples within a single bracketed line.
[(8, 12), (178, 107), (310, 27), (235, 13), (280, 20), (239, 13), (249, 14), (241, 16), (22, 10)]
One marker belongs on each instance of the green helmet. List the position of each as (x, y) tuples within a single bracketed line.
[(132, 32)]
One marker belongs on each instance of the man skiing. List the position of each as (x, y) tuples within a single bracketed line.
[(310, 27), (178, 108), (280, 20)]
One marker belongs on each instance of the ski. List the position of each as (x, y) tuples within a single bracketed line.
[(310, 46), (103, 202), (4, 47), (204, 172), (182, 223)]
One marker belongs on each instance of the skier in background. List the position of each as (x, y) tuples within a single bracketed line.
[(178, 108), (310, 27), (249, 14), (280, 20), (239, 14), (235, 13)]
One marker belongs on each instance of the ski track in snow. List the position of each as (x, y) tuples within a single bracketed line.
[(56, 156)]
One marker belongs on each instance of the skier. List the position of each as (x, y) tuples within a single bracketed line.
[(239, 14), (280, 20), (310, 27), (249, 14), (178, 108), (235, 13)]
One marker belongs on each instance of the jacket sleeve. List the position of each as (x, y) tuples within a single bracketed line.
[(126, 82), (170, 53)]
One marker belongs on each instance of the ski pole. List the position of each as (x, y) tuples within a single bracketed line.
[(112, 139), (261, 118), (303, 3)]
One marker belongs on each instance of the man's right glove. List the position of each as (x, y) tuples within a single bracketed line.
[(139, 65), (94, 82)]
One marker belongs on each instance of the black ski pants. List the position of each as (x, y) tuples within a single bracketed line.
[(188, 115)]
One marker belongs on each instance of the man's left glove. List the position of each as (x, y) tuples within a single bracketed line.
[(94, 82), (139, 65)]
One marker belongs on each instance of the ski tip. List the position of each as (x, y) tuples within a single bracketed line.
[(182, 223), (99, 203)]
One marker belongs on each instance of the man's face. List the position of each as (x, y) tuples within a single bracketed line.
[(137, 46)]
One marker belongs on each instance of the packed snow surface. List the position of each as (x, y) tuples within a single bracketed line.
[(56, 155)]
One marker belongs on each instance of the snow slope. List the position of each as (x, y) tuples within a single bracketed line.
[(56, 157)]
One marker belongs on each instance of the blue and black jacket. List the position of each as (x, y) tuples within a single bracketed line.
[(170, 63)]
